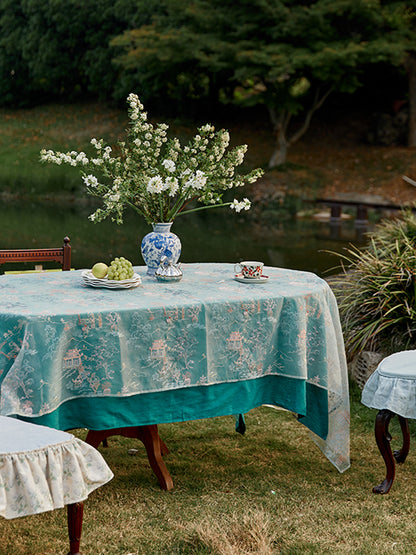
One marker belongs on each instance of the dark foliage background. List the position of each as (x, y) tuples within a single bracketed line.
[(59, 50)]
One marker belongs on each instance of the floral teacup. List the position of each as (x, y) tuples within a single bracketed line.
[(249, 269)]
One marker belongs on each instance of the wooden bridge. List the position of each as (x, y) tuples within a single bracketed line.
[(361, 206)]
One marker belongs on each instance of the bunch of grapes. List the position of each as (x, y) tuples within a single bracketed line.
[(119, 269)]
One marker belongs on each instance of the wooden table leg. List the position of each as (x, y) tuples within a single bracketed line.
[(75, 513), (149, 435), (383, 439), (154, 446)]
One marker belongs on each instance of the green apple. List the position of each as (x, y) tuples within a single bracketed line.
[(100, 270)]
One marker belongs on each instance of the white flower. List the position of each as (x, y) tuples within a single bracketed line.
[(114, 198), (225, 139), (82, 157), (207, 128), (200, 180), (155, 185), (172, 185), (96, 144), (169, 165), (197, 181), (245, 204), (90, 181), (240, 154), (107, 151), (134, 101)]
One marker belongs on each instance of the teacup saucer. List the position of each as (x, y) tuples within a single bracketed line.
[(242, 279)]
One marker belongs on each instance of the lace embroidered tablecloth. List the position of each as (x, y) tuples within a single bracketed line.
[(205, 346), (43, 469)]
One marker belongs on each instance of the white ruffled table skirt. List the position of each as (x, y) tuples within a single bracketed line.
[(392, 385), (42, 469)]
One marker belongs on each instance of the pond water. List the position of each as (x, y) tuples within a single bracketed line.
[(207, 236)]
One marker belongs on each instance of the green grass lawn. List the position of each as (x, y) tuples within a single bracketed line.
[(23, 133), (269, 491)]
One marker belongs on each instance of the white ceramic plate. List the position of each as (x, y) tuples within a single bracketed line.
[(242, 279), (89, 279)]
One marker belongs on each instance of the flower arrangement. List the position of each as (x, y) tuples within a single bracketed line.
[(157, 176)]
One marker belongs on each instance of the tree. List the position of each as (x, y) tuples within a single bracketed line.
[(60, 48), (13, 68), (287, 55), (410, 65)]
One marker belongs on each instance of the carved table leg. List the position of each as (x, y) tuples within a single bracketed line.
[(154, 446), (383, 439), (95, 437), (75, 513)]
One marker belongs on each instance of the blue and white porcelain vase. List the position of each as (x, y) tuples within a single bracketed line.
[(160, 242)]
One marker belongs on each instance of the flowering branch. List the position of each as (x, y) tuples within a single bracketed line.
[(245, 204)]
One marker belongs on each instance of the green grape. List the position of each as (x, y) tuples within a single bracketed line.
[(120, 269)]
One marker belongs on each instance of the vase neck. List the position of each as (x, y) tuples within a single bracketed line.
[(162, 227)]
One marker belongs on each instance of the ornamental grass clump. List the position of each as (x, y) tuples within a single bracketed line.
[(377, 292), (157, 176)]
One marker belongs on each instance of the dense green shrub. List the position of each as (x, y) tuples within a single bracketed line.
[(60, 48), (377, 292)]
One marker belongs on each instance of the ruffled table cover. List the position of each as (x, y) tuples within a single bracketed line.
[(392, 385), (74, 356), (43, 469)]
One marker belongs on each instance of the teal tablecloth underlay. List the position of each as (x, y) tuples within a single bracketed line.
[(77, 356)]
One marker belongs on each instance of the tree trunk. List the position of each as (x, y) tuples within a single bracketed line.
[(280, 124), (279, 155), (410, 65)]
